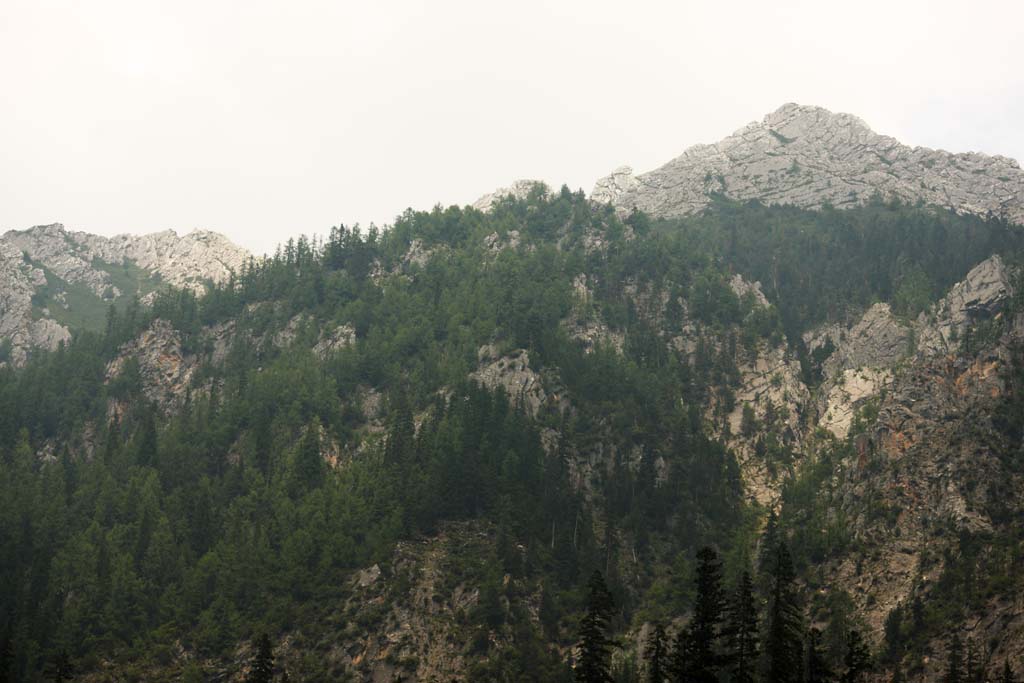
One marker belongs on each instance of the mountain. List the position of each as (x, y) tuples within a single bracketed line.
[(402, 455), (54, 280), (809, 157)]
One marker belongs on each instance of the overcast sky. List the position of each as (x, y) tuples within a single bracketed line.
[(266, 119)]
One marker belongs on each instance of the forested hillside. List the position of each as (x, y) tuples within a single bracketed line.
[(402, 455)]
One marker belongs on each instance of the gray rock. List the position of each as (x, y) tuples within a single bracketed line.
[(807, 157), (51, 256), (520, 189), (981, 295)]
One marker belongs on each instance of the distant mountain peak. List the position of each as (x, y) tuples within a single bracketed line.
[(49, 273), (808, 156)]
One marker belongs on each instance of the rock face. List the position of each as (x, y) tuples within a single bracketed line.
[(512, 373), (808, 156), (165, 370), (980, 296), (518, 190), (52, 278)]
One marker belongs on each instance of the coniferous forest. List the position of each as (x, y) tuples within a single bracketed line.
[(603, 531)]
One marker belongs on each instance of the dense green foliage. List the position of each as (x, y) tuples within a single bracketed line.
[(220, 520)]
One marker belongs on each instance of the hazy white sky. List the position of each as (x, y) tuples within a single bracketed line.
[(266, 119)]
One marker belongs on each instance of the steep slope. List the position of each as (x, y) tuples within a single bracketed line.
[(403, 454), (808, 157), (55, 280)]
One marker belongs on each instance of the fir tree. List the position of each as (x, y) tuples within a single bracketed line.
[(7, 658), (654, 653), (741, 632), (954, 661), (679, 662), (817, 668), (974, 672), (262, 670), (783, 645), (858, 658), (707, 618), (60, 669), (1007, 675), (307, 471), (594, 665)]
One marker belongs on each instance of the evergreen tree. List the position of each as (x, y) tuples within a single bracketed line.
[(7, 658), (60, 668), (954, 661), (594, 664), (679, 663), (783, 646), (1007, 675), (767, 558), (974, 672), (858, 658), (654, 653), (817, 668), (704, 628), (894, 634), (741, 632), (307, 470), (262, 670)]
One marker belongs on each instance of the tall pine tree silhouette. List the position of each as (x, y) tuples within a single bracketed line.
[(741, 632), (857, 661), (783, 647), (654, 653), (817, 669), (954, 661), (594, 665), (706, 623), (262, 670)]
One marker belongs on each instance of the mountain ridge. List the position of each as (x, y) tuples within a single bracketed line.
[(52, 276), (808, 156)]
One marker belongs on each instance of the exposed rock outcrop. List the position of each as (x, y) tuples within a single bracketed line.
[(164, 368), (41, 265), (981, 296), (520, 189), (808, 157)]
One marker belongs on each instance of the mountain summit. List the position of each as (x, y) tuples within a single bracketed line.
[(808, 157)]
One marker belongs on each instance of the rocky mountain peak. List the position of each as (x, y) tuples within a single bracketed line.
[(808, 157), (55, 279)]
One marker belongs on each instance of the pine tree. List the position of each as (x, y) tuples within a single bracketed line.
[(1007, 676), (954, 661), (894, 634), (783, 644), (858, 658), (707, 618), (594, 665), (60, 669), (679, 662), (817, 668), (741, 632), (654, 653), (307, 471), (262, 670), (974, 672), (7, 658), (767, 555)]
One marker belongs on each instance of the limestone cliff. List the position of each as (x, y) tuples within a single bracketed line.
[(53, 280), (808, 157)]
